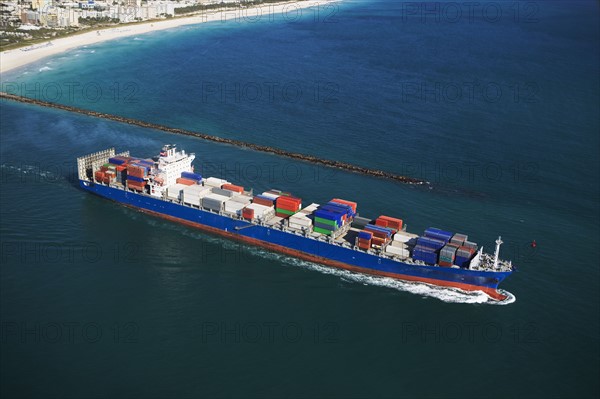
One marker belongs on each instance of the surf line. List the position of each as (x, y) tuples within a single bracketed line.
[(243, 144)]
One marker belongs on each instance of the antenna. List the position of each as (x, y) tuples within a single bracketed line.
[(497, 253)]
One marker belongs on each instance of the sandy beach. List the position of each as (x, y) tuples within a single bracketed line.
[(16, 58)]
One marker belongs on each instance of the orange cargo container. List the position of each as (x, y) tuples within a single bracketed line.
[(99, 175), (248, 213), (390, 222), (183, 180), (233, 187)]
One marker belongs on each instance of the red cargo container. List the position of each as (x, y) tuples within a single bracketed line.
[(233, 187), (262, 201), (390, 222), (445, 264), (288, 203), (99, 175), (344, 202), (136, 185), (248, 213), (136, 171), (378, 241), (183, 180), (121, 168)]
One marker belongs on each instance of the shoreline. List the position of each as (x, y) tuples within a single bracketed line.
[(19, 57)]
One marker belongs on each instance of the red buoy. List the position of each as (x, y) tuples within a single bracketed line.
[(533, 244)]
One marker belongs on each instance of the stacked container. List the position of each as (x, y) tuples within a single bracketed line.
[(424, 254), (303, 219), (397, 249), (286, 206), (405, 238), (224, 193), (214, 202), (327, 221), (234, 208), (263, 200), (215, 182), (248, 213), (364, 239), (242, 199), (381, 235), (351, 204), (175, 191), (463, 256), (470, 245), (192, 176), (260, 212), (185, 182), (233, 187), (438, 234), (447, 255), (458, 239), (431, 243), (386, 221), (193, 194)]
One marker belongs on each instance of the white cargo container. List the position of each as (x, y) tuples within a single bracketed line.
[(401, 252), (174, 191), (244, 199), (215, 182), (193, 195), (234, 207), (261, 212), (403, 236), (214, 202), (270, 195)]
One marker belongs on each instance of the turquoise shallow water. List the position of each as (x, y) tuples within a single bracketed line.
[(501, 117)]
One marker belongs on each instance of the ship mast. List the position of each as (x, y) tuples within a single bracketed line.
[(497, 253)]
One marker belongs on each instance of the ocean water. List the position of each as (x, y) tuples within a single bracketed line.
[(496, 107)]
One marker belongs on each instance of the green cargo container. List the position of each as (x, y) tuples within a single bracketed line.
[(323, 231), (284, 211), (326, 221)]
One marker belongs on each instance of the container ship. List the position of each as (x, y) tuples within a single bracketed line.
[(332, 234)]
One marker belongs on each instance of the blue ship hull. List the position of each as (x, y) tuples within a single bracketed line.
[(304, 247)]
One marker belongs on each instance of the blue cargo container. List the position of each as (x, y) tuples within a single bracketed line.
[(322, 213), (346, 208), (438, 234), (425, 254), (365, 235), (380, 229), (430, 243), (192, 176), (116, 161), (134, 178)]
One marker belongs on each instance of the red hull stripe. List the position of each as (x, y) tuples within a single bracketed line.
[(328, 262)]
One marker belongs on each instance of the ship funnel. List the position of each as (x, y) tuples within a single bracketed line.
[(497, 252)]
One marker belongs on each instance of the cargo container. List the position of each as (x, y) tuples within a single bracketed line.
[(458, 239), (263, 200), (291, 204), (214, 202), (352, 204), (225, 193), (192, 176), (270, 195), (389, 222), (261, 212), (432, 243), (233, 187), (401, 252), (470, 245), (243, 199), (360, 222), (378, 231), (403, 236), (135, 178), (215, 182), (248, 213), (174, 191), (99, 175), (234, 208), (365, 235), (438, 234), (184, 181), (425, 254)]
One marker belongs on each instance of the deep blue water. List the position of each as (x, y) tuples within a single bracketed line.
[(501, 116)]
